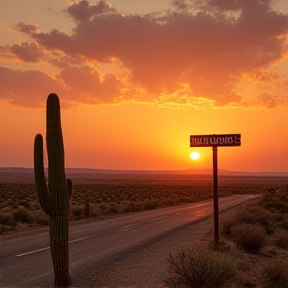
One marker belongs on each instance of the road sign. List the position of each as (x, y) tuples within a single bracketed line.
[(215, 140)]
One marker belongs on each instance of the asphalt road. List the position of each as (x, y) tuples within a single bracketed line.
[(25, 260)]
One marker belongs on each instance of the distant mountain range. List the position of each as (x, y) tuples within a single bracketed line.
[(71, 171)]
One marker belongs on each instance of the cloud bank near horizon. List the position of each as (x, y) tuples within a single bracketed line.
[(200, 54)]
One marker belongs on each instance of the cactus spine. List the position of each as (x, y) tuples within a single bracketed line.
[(55, 198)]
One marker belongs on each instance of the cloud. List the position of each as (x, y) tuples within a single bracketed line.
[(24, 27), (75, 85), (179, 4), (26, 88), (83, 11), (86, 85), (27, 52), (206, 45), (270, 101), (266, 100)]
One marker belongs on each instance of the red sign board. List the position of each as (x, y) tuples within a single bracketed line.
[(215, 140)]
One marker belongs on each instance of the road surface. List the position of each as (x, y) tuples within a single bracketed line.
[(25, 260)]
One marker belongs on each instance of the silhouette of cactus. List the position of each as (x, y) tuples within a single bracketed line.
[(55, 198)]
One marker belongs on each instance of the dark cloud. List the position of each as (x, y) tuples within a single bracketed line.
[(180, 4), (83, 11), (27, 52), (24, 27), (208, 49)]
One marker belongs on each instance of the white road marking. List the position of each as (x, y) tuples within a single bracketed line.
[(80, 239), (31, 252), (46, 248), (156, 219), (128, 227)]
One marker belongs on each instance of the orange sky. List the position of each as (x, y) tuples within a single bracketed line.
[(136, 78)]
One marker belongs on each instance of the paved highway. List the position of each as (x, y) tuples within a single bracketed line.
[(25, 260)]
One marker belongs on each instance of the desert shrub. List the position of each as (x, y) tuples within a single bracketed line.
[(148, 205), (201, 267), (77, 212), (227, 223), (31, 218), (249, 237), (275, 274), (24, 203), (276, 205), (112, 210), (284, 222), (103, 207), (256, 215), (276, 200), (249, 214), (41, 218), (20, 215), (280, 238), (6, 218)]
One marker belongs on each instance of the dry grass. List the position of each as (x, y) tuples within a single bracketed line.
[(251, 238), (275, 273), (201, 266), (117, 194)]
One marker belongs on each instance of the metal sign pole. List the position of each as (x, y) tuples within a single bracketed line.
[(215, 141), (215, 195)]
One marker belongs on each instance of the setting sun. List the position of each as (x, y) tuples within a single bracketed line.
[(194, 155)]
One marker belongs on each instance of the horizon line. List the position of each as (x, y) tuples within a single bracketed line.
[(158, 170)]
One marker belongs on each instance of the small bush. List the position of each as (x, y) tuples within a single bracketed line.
[(41, 218), (284, 222), (148, 205), (275, 274), (227, 224), (201, 267), (6, 218), (249, 237), (256, 215), (77, 212), (276, 205), (113, 210), (20, 215), (281, 239)]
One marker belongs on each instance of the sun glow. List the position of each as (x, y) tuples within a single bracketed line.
[(194, 155)]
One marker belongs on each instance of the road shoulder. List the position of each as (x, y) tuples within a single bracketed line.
[(146, 266)]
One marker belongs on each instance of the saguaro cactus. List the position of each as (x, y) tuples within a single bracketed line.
[(55, 198)]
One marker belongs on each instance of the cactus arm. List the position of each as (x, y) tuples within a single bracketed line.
[(39, 174), (55, 147)]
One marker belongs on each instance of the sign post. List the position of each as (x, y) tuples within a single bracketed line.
[(214, 141), (215, 194)]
